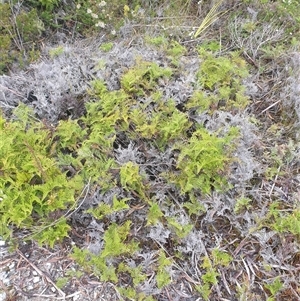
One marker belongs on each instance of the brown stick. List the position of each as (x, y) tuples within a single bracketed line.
[(41, 273)]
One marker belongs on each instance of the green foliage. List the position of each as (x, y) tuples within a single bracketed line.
[(128, 292), (4, 15), (49, 4), (5, 37), (104, 209), (201, 101), (74, 273), (291, 9), (56, 51), (114, 238), (48, 12), (210, 276), (218, 71), (82, 257), (175, 50), (172, 124), (69, 134), (287, 222), (96, 263), (106, 47), (274, 210), (97, 167), (105, 115), (180, 230), (165, 124), (132, 294), (204, 290), (223, 76), (202, 160), (97, 15), (115, 245), (242, 204), (20, 29), (154, 214), (131, 178), (157, 41), (102, 269), (18, 33), (50, 235), (282, 221), (143, 78), (220, 257), (5, 46), (194, 206), (220, 83), (29, 26), (32, 186), (163, 277), (136, 273), (213, 46), (274, 288), (55, 162), (42, 169), (61, 282)]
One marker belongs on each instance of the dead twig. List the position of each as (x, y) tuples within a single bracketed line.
[(41, 273), (269, 107), (12, 91), (56, 298)]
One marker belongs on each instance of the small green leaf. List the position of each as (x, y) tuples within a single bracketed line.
[(163, 278), (154, 214), (210, 277), (119, 205), (221, 257), (114, 238), (275, 286), (53, 234)]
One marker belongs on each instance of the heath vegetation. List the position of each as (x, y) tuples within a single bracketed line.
[(156, 143)]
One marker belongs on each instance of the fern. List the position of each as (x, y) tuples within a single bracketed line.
[(173, 125), (274, 288), (32, 184), (163, 277), (194, 206), (114, 238), (143, 78), (222, 78), (175, 51), (242, 204), (288, 223), (131, 179), (51, 235), (136, 273), (154, 214), (102, 269), (201, 162), (220, 257), (69, 134), (180, 230), (105, 209), (209, 278)]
